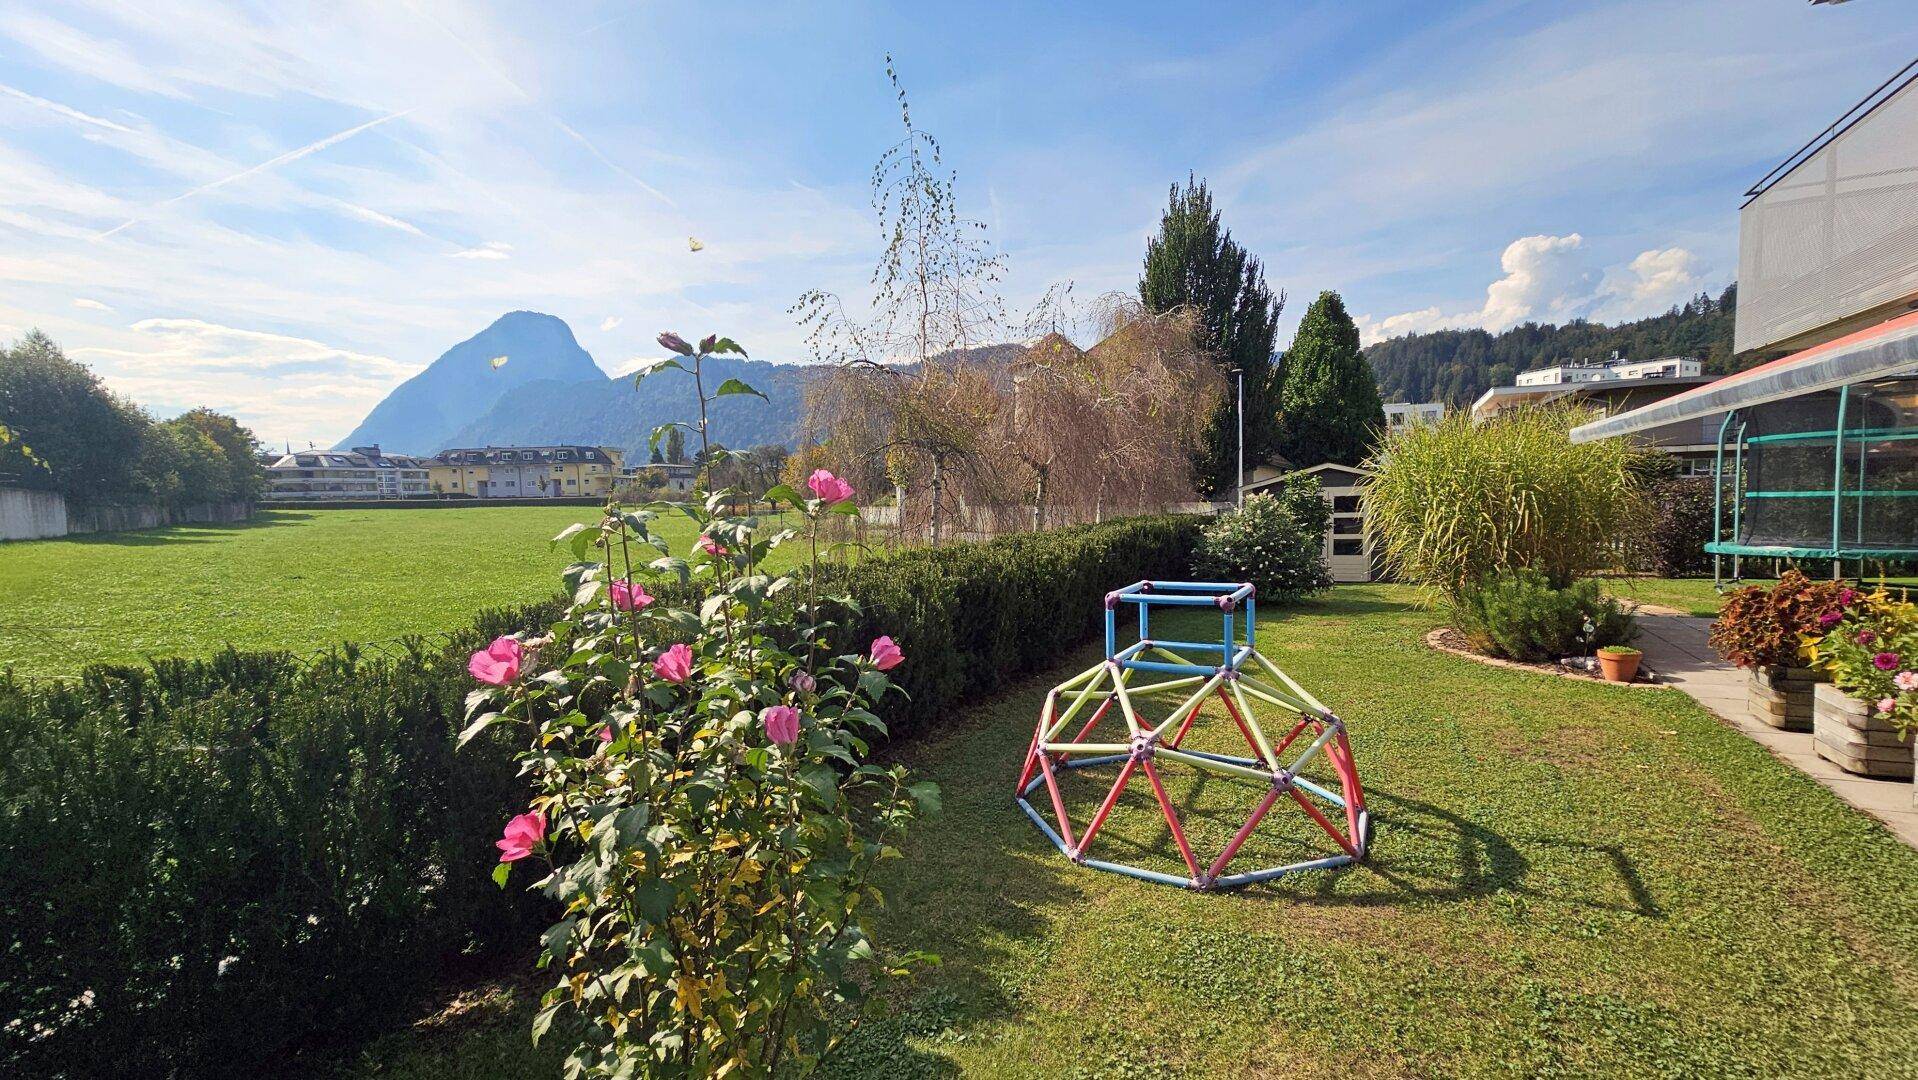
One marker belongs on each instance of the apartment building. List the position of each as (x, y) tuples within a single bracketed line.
[(526, 472)]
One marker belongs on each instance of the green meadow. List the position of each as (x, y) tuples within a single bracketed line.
[(288, 579)]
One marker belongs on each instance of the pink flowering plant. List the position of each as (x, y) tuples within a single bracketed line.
[(1868, 644), (703, 811)]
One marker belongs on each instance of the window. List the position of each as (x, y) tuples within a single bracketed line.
[(1348, 547), (1345, 504), (572, 483), (557, 469), (1348, 526)]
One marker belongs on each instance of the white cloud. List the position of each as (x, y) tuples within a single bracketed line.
[(609, 323), (1653, 281), (491, 249), (1553, 279), (280, 385), (89, 304)]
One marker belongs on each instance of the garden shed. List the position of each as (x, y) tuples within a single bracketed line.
[(1348, 553)]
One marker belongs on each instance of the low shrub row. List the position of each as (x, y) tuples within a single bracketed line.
[(206, 864)]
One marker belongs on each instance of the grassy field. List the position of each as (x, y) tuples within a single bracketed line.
[(1566, 879), (286, 579)]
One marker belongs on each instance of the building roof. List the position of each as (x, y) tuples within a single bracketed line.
[(1889, 348), (339, 459), (499, 455), (1541, 393)]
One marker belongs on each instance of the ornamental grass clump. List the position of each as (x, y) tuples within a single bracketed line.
[(703, 813), (1455, 502), (1868, 644)]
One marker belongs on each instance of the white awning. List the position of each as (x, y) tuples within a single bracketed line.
[(1889, 348)]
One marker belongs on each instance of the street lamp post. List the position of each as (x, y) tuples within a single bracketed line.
[(1239, 374)]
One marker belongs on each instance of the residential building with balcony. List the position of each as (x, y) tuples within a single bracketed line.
[(1402, 414), (361, 473), (526, 472)]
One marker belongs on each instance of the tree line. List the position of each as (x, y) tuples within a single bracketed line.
[(1456, 366), (69, 434)]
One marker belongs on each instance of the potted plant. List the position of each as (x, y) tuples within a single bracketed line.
[(1863, 719), (1618, 663), (1764, 630)]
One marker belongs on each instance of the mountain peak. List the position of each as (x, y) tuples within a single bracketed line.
[(471, 377)]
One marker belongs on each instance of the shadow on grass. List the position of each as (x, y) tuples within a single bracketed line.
[(194, 533)]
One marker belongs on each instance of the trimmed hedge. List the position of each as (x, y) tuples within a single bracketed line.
[(207, 864)]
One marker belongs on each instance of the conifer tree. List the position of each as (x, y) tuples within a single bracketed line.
[(1194, 263), (1329, 404)]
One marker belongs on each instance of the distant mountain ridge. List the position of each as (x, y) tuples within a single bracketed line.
[(1456, 366), (549, 390)]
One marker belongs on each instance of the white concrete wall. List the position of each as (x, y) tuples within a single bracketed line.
[(41, 515), (31, 515)]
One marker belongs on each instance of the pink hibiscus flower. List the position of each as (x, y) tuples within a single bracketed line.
[(828, 487), (781, 723), (675, 665), (885, 654), (628, 595), (523, 834), (498, 663)]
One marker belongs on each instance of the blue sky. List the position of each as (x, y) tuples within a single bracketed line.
[(282, 210)]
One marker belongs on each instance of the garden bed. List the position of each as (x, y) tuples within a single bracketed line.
[(1447, 640)]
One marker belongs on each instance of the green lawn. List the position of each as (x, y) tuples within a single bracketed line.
[(1566, 879), (286, 579), (1697, 596)]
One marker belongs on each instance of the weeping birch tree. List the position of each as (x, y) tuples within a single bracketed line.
[(900, 402)]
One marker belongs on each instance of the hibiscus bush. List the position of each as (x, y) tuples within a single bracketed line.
[(1869, 647), (703, 812)]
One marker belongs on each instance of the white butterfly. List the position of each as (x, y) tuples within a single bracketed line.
[(695, 244), (497, 362)]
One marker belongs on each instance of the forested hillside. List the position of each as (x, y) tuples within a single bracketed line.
[(1456, 366)]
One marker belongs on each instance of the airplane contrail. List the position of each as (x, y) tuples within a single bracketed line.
[(271, 163), (67, 111), (500, 74)]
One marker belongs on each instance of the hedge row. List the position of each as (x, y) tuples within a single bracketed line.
[(207, 864)]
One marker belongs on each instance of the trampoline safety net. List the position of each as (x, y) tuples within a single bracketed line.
[(1832, 473)]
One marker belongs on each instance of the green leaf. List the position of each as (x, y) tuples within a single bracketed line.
[(727, 345), (485, 721), (501, 873), (653, 367), (925, 795), (654, 897), (735, 386), (566, 534), (544, 1021)]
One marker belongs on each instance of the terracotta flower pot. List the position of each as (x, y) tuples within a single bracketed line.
[(1618, 665)]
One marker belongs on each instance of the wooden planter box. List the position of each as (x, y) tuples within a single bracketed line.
[(1781, 696), (1845, 732)]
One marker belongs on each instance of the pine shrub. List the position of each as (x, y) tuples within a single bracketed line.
[(1520, 616)]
